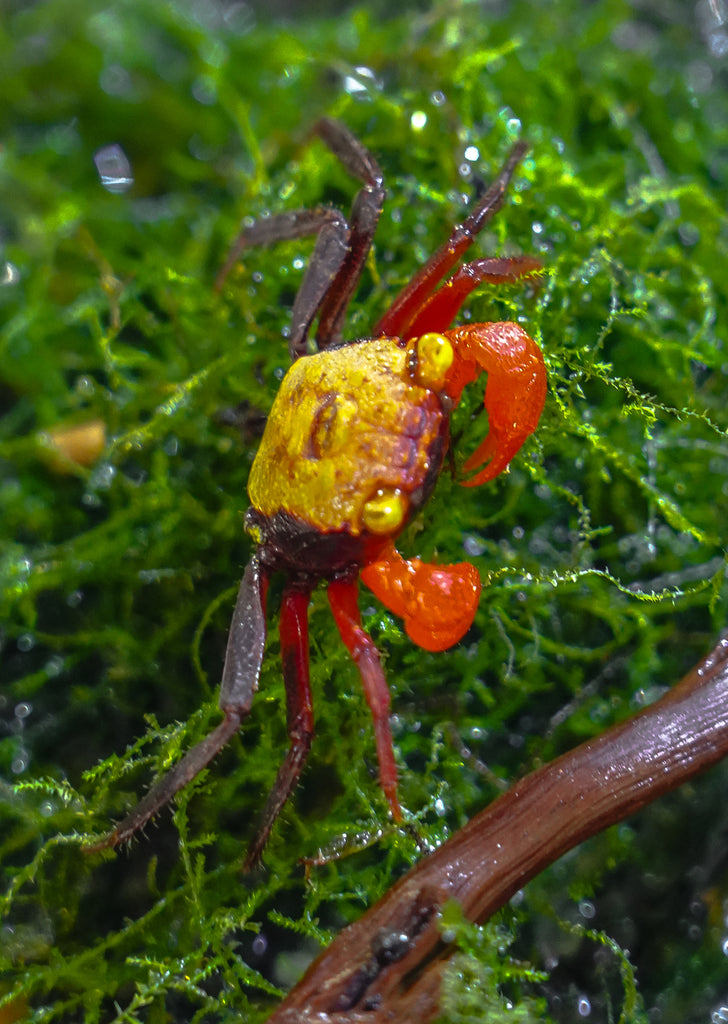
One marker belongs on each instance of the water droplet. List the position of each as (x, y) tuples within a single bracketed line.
[(9, 274), (260, 945), (418, 120), (116, 81), (583, 1007), (587, 909), (239, 18), (718, 43), (471, 154), (84, 386), (54, 666), (473, 545), (589, 270), (361, 82), (438, 98), (23, 709), (214, 52), (689, 234), (699, 77), (26, 642), (114, 169), (200, 149), (204, 90)]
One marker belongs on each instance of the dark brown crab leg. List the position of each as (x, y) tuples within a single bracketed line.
[(330, 250), (365, 213), (241, 672), (341, 248)]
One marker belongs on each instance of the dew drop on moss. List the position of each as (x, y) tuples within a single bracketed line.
[(9, 274), (114, 169), (583, 1007)]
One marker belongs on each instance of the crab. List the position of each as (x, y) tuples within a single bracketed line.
[(352, 449)]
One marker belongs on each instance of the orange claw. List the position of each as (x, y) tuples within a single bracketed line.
[(436, 602), (514, 395)]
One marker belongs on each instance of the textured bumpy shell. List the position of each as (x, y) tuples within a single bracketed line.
[(345, 423)]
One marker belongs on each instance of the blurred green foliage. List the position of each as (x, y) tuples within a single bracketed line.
[(602, 550)]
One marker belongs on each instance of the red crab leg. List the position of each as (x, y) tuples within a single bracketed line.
[(294, 652), (437, 602), (396, 321), (246, 643), (343, 598), (439, 311)]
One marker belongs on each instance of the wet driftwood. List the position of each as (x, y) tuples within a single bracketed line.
[(388, 965)]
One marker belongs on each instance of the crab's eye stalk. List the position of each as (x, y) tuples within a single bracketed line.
[(430, 358), (385, 512)]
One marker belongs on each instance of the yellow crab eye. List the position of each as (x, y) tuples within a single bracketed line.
[(434, 356), (384, 512)]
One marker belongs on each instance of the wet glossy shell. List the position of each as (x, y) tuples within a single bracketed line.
[(346, 424)]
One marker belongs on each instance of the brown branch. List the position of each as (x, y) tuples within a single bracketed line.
[(388, 965)]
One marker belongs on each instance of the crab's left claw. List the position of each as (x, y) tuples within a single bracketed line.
[(436, 602), (514, 395)]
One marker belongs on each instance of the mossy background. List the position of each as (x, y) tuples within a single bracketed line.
[(602, 550)]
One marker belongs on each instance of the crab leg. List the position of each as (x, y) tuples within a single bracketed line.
[(294, 651), (343, 598), (340, 251), (398, 318), (365, 213), (246, 643), (437, 602), (329, 254), (441, 308)]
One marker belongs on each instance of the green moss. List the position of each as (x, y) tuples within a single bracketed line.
[(602, 550)]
